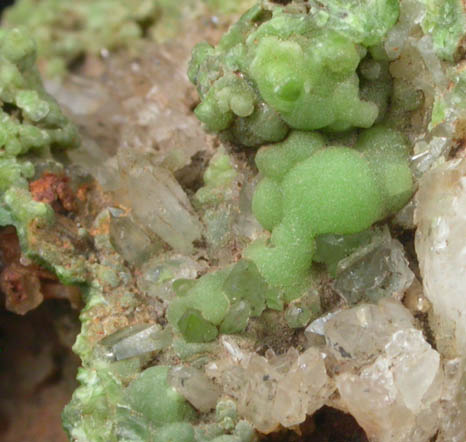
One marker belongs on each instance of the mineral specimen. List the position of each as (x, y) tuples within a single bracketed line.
[(237, 282)]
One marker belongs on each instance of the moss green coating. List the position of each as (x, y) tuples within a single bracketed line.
[(66, 29), (31, 123), (445, 20)]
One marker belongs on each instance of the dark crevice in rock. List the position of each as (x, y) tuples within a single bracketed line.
[(325, 425)]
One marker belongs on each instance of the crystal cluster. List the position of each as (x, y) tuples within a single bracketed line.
[(231, 293), (274, 390)]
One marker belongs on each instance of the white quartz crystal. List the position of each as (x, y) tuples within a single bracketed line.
[(441, 243), (275, 390), (358, 335), (396, 398), (158, 201), (136, 340)]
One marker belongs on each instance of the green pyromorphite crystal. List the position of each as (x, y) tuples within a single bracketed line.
[(157, 401), (31, 123), (225, 299), (308, 190), (445, 20), (67, 29), (284, 67), (217, 178)]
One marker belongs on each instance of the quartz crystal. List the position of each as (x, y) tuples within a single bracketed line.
[(195, 386), (395, 392), (441, 243), (274, 390), (374, 270), (169, 213), (136, 340), (358, 335), (397, 396)]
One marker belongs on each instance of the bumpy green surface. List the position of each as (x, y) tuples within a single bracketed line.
[(67, 29), (310, 190), (282, 67), (31, 124), (279, 75)]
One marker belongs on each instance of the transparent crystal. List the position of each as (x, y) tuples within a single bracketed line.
[(195, 386), (136, 340), (441, 243), (375, 270), (129, 239), (397, 396), (358, 335), (158, 201), (276, 389)]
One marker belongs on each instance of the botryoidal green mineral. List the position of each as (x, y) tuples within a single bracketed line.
[(278, 64), (67, 29), (283, 68), (309, 82), (31, 126)]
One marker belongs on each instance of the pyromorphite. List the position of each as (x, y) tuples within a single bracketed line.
[(313, 190), (159, 403), (195, 328), (280, 66)]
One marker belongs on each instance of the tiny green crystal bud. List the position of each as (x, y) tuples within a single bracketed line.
[(195, 328)]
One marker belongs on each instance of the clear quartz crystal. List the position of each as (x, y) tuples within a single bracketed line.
[(397, 396), (374, 270), (158, 201), (136, 340), (160, 272), (195, 386), (129, 239), (358, 335)]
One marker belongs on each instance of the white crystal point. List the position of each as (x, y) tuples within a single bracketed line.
[(441, 244), (414, 366), (276, 390), (396, 396)]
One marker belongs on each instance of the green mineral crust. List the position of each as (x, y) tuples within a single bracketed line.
[(278, 64), (65, 29), (32, 128), (244, 266)]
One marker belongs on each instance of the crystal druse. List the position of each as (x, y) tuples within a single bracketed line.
[(247, 253)]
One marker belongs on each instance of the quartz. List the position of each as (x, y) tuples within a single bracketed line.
[(358, 335), (441, 243), (195, 386), (374, 270), (158, 201), (136, 340), (276, 389), (397, 396)]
